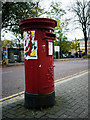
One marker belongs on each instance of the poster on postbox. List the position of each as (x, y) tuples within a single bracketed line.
[(30, 45)]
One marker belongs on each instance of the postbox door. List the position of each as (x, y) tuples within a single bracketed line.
[(45, 63)]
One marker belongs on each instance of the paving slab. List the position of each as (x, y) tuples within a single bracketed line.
[(71, 102)]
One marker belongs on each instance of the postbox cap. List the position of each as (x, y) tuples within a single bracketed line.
[(37, 23)]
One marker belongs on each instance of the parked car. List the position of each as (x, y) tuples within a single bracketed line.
[(72, 55), (15, 58), (64, 56)]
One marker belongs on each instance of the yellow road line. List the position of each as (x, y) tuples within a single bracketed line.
[(17, 94), (21, 93), (11, 99), (71, 76)]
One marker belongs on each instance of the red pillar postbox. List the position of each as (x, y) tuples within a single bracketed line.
[(39, 53)]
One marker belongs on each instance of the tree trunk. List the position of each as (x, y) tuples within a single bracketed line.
[(60, 49), (85, 37), (60, 52)]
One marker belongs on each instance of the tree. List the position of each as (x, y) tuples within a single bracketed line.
[(56, 12), (80, 8), (76, 45), (66, 46), (13, 12), (8, 43), (60, 31)]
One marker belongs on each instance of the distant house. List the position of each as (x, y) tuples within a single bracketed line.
[(82, 45)]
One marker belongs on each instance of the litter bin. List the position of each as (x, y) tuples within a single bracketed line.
[(39, 53)]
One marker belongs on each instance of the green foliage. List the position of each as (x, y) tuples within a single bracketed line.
[(86, 56), (7, 43), (65, 45), (55, 11), (81, 10), (12, 43), (61, 29), (76, 45), (61, 38), (13, 12)]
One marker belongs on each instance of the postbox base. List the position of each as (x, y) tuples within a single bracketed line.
[(39, 100)]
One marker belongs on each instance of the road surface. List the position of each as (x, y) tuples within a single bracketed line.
[(13, 77)]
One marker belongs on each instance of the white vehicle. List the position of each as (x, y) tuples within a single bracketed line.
[(64, 56), (15, 58)]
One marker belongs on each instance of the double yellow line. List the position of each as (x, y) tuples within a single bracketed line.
[(14, 96), (73, 75)]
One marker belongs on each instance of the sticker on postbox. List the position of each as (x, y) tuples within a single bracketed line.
[(50, 45), (30, 45)]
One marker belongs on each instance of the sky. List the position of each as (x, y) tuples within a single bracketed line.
[(72, 33)]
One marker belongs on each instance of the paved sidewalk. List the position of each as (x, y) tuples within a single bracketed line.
[(71, 102)]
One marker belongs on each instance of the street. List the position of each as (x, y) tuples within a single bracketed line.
[(13, 77), (71, 96), (67, 68)]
